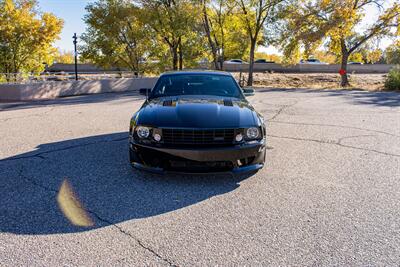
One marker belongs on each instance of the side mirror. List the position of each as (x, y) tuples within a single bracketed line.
[(145, 91), (248, 91)]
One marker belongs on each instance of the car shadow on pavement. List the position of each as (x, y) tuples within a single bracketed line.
[(380, 99), (100, 176)]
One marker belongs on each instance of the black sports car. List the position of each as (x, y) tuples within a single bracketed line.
[(197, 122)]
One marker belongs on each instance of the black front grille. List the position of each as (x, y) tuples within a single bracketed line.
[(198, 137)]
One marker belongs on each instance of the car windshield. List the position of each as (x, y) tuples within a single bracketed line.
[(196, 84)]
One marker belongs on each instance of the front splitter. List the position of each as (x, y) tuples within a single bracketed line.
[(236, 170)]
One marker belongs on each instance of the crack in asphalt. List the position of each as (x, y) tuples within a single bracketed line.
[(110, 223), (140, 243), (32, 181), (283, 108), (337, 126), (354, 136), (333, 142), (40, 154)]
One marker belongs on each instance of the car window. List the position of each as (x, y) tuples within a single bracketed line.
[(196, 84)]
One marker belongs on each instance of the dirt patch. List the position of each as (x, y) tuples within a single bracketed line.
[(370, 82)]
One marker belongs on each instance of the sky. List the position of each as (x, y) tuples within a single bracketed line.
[(73, 11)]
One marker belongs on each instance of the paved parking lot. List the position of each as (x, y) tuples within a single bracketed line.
[(328, 195)]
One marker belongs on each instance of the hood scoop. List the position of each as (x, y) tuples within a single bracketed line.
[(167, 103), (228, 103)]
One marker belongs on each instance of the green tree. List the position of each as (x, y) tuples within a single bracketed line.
[(214, 18), (237, 43), (172, 21), (311, 23), (116, 35), (26, 36), (392, 53), (255, 13)]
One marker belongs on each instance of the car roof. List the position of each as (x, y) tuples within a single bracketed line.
[(208, 72)]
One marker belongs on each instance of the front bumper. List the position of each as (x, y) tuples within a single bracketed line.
[(238, 158)]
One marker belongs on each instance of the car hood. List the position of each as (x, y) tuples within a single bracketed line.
[(197, 112)]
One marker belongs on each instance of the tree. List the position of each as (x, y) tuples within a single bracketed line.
[(392, 53), (66, 57), (223, 28), (236, 43), (373, 56), (215, 15), (312, 22), (325, 56), (26, 36), (172, 20), (116, 34), (255, 13), (356, 57), (269, 57), (213, 41)]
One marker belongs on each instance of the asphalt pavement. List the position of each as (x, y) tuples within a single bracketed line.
[(329, 194)]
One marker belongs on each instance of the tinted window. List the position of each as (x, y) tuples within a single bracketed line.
[(196, 84)]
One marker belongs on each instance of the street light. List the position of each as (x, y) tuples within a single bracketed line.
[(76, 56)]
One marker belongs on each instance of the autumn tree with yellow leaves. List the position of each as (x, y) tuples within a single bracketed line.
[(26, 37), (335, 22), (225, 31), (116, 35)]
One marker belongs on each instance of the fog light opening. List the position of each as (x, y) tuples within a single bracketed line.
[(239, 137), (157, 137)]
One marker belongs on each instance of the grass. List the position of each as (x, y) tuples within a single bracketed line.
[(393, 80)]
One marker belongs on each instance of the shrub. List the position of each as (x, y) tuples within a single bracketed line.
[(393, 79)]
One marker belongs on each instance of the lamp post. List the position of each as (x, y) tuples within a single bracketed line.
[(76, 56)]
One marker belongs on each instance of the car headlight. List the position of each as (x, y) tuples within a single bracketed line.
[(252, 133), (143, 132)]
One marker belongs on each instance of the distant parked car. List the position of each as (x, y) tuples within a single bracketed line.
[(354, 63), (312, 61), (235, 61), (263, 61)]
